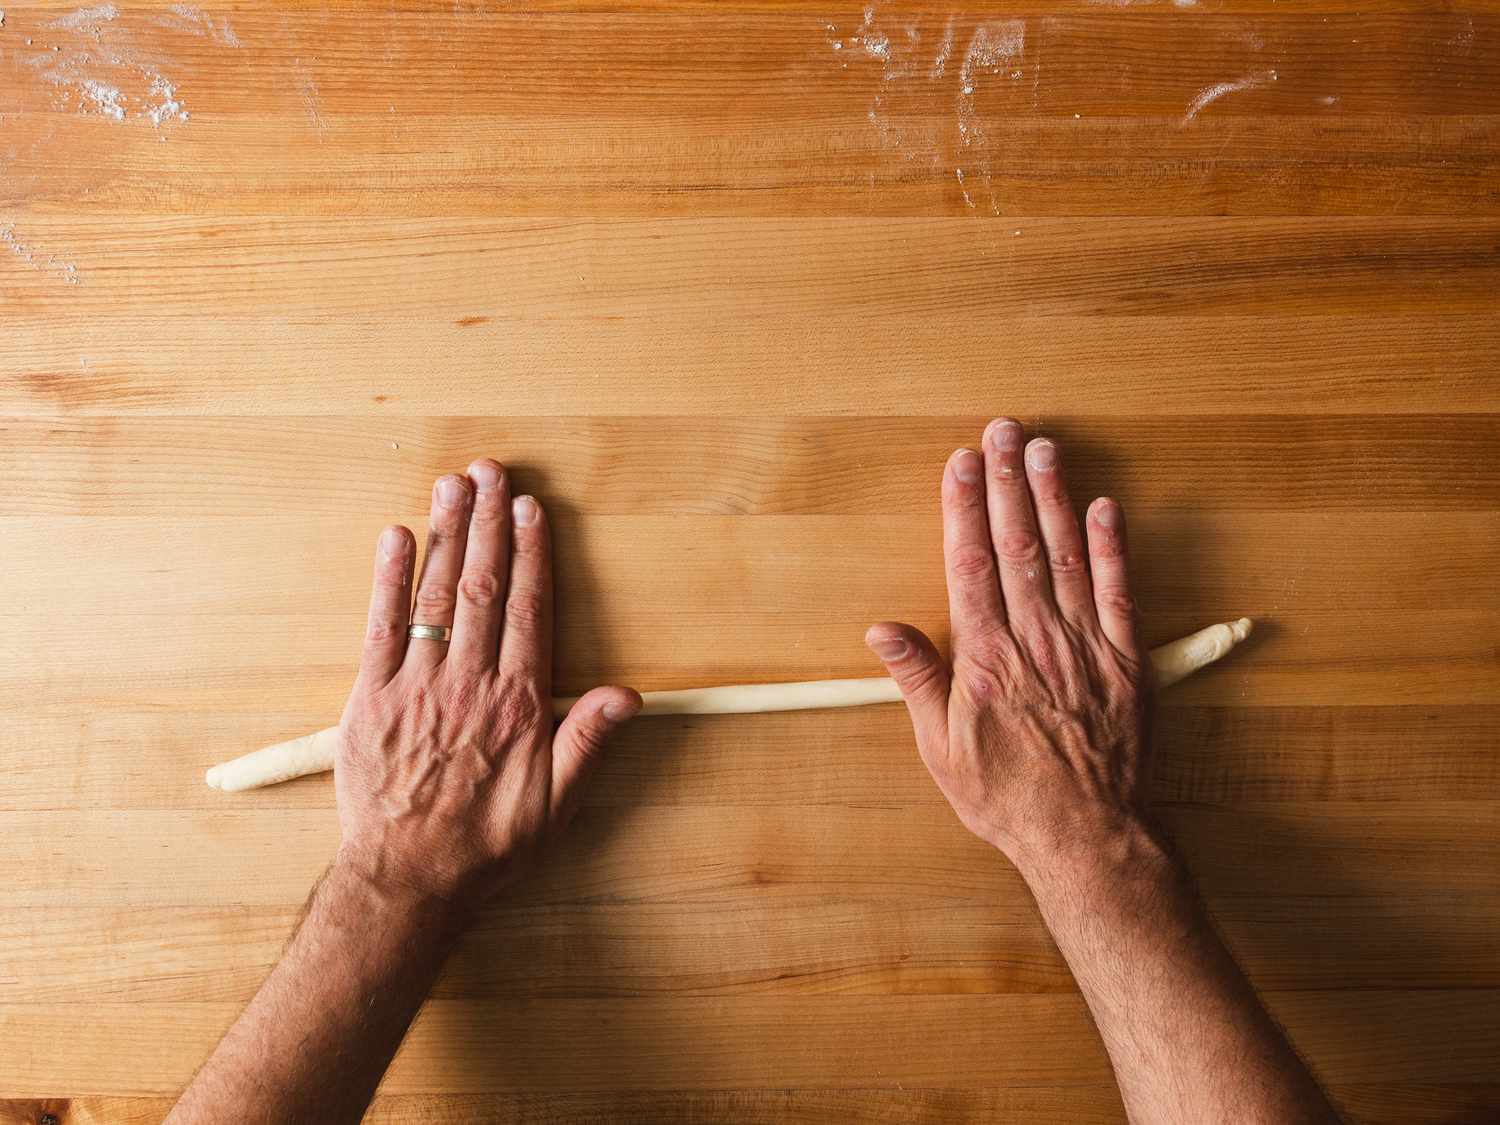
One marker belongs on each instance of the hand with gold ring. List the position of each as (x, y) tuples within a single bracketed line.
[(448, 773)]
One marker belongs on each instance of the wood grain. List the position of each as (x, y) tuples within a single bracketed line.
[(724, 283), (836, 944), (798, 466), (787, 855), (118, 363), (475, 1046)]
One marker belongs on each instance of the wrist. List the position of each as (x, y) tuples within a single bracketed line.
[(396, 901), (1127, 852)]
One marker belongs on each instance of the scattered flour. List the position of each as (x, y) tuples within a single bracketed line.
[(959, 172), (995, 48), (1213, 93), (940, 63), (101, 71), (307, 86), (195, 21), (167, 107), (107, 99), (34, 257), (86, 19)]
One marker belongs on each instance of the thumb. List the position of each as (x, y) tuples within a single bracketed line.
[(920, 672), (578, 744)]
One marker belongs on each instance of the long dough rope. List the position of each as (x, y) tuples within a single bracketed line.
[(314, 753)]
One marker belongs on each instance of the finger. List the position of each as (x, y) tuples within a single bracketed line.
[(447, 528), (1062, 539), (974, 604), (579, 742), (1110, 564), (526, 636), (481, 586), (920, 672), (1024, 582), (390, 604)]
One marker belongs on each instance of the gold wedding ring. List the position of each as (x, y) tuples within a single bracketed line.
[(429, 632)]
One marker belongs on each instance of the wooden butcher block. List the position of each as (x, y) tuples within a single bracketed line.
[(723, 284)]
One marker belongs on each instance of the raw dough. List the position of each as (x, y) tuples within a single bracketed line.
[(314, 753)]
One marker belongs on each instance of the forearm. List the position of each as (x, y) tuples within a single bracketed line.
[(318, 1036), (1187, 1037)]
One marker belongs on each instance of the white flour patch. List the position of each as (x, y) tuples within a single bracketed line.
[(996, 49), (940, 63), (195, 21), (1211, 94), (968, 199), (37, 258), (1464, 38), (107, 99), (993, 48), (166, 107), (86, 19), (101, 72)]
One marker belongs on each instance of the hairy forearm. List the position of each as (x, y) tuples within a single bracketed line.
[(1188, 1039), (319, 1034)]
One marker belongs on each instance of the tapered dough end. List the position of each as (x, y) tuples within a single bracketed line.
[(312, 753), (1181, 658)]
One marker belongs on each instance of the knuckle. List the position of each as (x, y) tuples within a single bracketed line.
[(981, 683), (525, 608), (487, 510), (1052, 492), (922, 676), (1116, 600), (971, 561), (1065, 561), (479, 588), (443, 527), (590, 736), (1018, 545), (1006, 467), (435, 599), (382, 628), (1108, 545)]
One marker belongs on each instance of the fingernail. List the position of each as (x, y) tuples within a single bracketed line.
[(967, 466), (1107, 514), (392, 543), (617, 712), (1041, 455), (1004, 435), (451, 492), (485, 475), (891, 648), (523, 511)]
